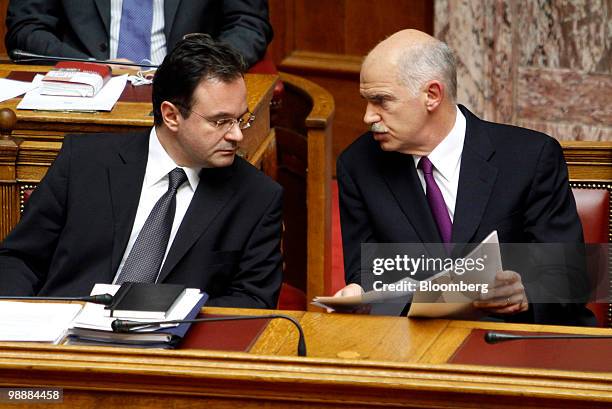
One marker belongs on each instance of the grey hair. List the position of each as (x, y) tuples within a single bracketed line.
[(425, 62)]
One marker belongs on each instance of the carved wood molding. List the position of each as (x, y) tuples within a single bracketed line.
[(294, 381), (309, 61)]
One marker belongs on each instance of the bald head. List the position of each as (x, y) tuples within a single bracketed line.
[(413, 58)]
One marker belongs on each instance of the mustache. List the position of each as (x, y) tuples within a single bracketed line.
[(378, 127)]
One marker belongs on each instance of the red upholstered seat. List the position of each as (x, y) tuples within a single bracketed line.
[(291, 298), (594, 211)]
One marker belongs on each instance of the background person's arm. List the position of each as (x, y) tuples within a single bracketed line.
[(34, 26), (246, 28)]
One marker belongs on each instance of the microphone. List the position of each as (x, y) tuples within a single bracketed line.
[(491, 337), (127, 326), (105, 299), (24, 56)]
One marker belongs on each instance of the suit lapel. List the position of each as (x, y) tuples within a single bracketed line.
[(476, 180), (103, 7), (213, 192), (401, 177), (170, 10), (125, 181)]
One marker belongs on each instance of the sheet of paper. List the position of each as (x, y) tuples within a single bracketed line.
[(11, 88), (102, 101), (35, 321), (457, 304)]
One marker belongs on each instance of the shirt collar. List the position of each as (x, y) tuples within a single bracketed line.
[(159, 164), (446, 156)]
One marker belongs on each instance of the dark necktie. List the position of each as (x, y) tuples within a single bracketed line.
[(135, 30), (436, 201), (145, 258)]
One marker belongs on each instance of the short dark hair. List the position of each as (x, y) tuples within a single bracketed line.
[(195, 58)]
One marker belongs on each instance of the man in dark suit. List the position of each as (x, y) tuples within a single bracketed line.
[(430, 171), (110, 200), (91, 28)]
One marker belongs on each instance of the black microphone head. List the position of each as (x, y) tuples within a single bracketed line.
[(120, 326), (16, 54), (491, 337), (105, 299)]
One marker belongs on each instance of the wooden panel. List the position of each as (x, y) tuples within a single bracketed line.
[(325, 41), (309, 114), (401, 363), (350, 108), (3, 6), (368, 22), (588, 161), (320, 25)]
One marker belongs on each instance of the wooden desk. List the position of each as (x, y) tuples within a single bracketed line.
[(404, 363), (37, 137)]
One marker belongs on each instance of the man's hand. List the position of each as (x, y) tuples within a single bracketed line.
[(507, 295), (124, 68), (349, 290)]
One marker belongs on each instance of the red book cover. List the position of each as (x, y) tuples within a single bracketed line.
[(82, 79)]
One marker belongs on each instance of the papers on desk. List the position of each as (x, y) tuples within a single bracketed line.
[(78, 324), (92, 327), (32, 321), (102, 101), (93, 316), (10, 88), (431, 304)]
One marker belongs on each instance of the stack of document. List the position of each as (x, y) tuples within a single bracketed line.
[(92, 326), (102, 101)]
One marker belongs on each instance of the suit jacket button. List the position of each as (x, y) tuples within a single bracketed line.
[(103, 47)]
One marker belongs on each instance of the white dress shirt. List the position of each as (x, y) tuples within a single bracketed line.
[(446, 159), (158, 38), (155, 184)]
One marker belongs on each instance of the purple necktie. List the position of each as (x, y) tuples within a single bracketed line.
[(135, 30), (436, 201)]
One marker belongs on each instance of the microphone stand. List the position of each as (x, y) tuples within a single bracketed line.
[(491, 337), (127, 326), (104, 299), (18, 57)]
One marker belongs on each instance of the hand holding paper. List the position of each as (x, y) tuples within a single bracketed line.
[(507, 296)]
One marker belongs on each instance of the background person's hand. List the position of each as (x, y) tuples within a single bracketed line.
[(506, 297), (129, 68)]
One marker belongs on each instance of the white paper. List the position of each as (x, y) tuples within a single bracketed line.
[(102, 101), (35, 321), (92, 316), (11, 88)]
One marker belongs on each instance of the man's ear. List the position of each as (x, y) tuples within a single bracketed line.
[(434, 94), (170, 115)]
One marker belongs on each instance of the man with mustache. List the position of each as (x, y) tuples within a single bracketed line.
[(170, 205), (429, 171)]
